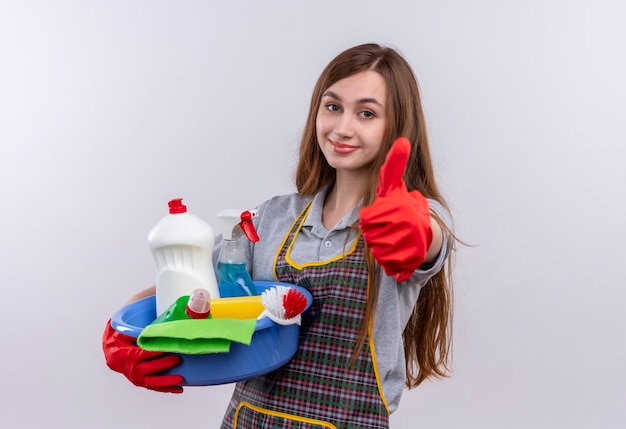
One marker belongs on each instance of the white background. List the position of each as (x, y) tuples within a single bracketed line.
[(110, 108)]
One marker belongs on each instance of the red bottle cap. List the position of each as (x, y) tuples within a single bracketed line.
[(176, 206), (199, 304)]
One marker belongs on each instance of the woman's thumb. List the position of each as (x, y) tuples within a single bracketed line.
[(391, 172)]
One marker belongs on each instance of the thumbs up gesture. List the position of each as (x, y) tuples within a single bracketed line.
[(396, 227)]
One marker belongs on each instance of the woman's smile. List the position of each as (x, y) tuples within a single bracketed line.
[(342, 148)]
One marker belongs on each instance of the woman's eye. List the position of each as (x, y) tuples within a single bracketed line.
[(333, 107), (367, 114)]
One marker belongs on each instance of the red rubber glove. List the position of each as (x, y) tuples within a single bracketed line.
[(140, 366), (396, 227)]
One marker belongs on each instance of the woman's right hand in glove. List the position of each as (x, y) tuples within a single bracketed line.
[(141, 367)]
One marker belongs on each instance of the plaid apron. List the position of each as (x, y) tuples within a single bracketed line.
[(318, 388)]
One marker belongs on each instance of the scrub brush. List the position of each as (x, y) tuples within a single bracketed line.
[(283, 305)]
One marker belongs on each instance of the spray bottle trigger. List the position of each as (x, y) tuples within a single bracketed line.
[(247, 226)]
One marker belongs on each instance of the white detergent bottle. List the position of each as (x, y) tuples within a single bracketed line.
[(232, 272), (182, 246)]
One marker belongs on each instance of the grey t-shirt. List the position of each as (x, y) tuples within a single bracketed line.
[(315, 244)]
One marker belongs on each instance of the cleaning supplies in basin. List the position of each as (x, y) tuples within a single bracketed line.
[(233, 276), (272, 345), (182, 246), (186, 327)]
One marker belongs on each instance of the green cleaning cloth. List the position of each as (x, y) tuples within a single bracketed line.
[(192, 336)]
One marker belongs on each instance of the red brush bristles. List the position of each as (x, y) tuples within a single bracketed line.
[(294, 303)]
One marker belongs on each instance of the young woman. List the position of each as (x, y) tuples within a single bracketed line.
[(368, 234)]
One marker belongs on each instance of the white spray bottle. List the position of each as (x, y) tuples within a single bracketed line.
[(232, 272), (182, 246)]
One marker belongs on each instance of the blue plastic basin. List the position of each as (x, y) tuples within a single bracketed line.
[(272, 345)]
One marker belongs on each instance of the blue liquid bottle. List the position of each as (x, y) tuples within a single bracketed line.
[(234, 280), (233, 277)]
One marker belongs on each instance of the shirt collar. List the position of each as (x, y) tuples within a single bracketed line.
[(314, 218)]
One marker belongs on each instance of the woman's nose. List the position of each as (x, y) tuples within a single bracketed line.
[(344, 126)]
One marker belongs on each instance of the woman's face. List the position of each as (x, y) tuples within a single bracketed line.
[(351, 121)]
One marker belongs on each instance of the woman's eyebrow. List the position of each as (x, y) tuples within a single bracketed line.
[(331, 94)]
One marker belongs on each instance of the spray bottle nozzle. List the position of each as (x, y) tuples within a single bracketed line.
[(247, 226), (235, 221)]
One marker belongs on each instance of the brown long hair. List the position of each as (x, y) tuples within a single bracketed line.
[(427, 336)]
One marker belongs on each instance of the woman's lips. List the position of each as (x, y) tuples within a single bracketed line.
[(341, 148)]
